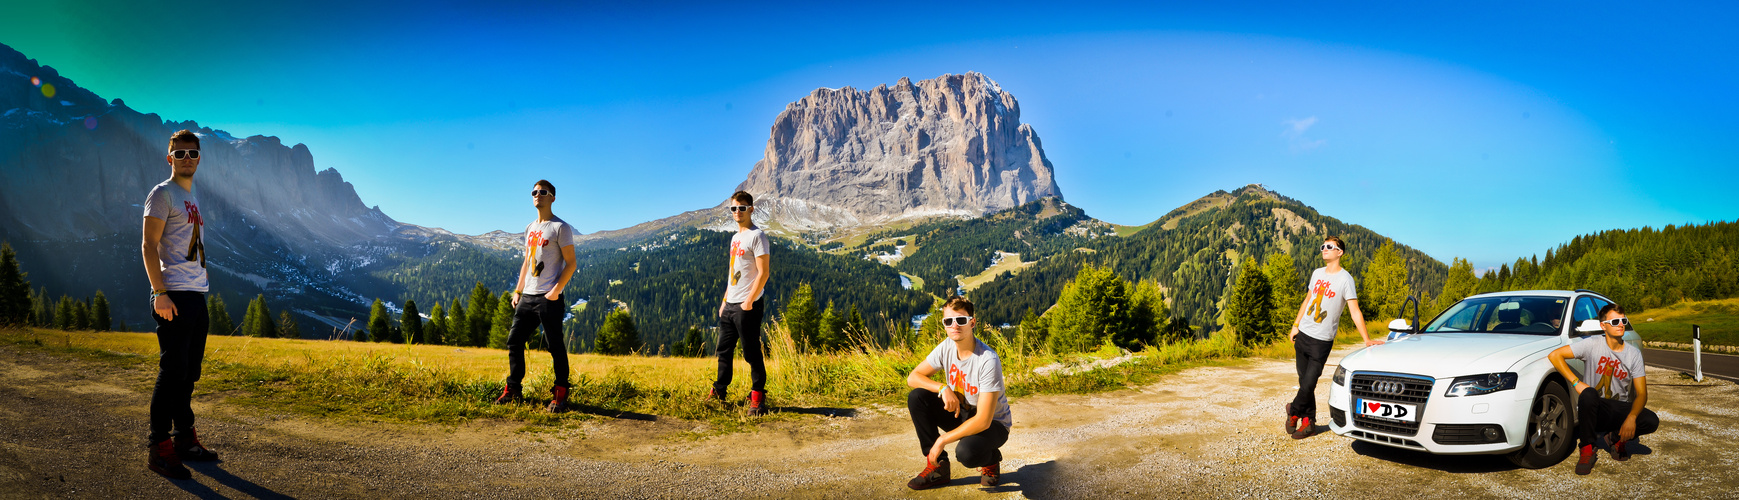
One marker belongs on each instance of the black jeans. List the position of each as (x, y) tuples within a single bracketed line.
[(736, 323), (1310, 355), (534, 310), (1596, 415), (182, 342), (928, 416)]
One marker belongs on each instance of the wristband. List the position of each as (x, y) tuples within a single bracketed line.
[(158, 293)]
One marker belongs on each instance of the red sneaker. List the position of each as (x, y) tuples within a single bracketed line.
[(164, 461), (559, 403), (187, 447), (991, 475), (1291, 424), (1618, 452), (1585, 463), (757, 403), (509, 394), (1306, 428), (935, 474)]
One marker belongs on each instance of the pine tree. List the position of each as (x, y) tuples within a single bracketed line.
[(40, 314), (266, 326), (220, 323), (854, 324), (435, 331), (1030, 336), (63, 314), (618, 335), (1147, 313), (1287, 289), (412, 324), (379, 322), (1460, 284), (287, 327), (693, 344), (1090, 311), (481, 313), (802, 319), (100, 320), (828, 330), (501, 322), (81, 315), (458, 326), (15, 297), (1251, 309)]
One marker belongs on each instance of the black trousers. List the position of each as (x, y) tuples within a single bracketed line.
[(533, 311), (1310, 355), (182, 343), (736, 324), (930, 419), (1596, 415)]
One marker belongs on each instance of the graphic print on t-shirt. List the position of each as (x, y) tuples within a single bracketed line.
[(1608, 368), (736, 251), (957, 382), (1318, 291), (533, 240), (196, 245)]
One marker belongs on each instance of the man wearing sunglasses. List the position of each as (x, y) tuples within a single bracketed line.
[(537, 297), (1331, 288), (1611, 392), (969, 404), (742, 309), (174, 254)]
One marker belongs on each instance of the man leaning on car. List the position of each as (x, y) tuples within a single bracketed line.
[(1608, 411)]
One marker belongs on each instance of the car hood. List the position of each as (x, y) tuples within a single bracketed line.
[(1440, 355)]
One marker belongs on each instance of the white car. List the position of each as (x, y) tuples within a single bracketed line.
[(1475, 380)]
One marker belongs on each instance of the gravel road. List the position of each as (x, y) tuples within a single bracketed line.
[(71, 428)]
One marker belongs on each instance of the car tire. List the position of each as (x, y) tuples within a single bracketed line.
[(1551, 433)]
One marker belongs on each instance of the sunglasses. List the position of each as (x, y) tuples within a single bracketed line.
[(1327, 246), (1617, 321), (956, 320), (182, 154), (541, 192), (741, 208)]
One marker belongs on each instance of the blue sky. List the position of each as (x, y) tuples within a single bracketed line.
[(1483, 130)]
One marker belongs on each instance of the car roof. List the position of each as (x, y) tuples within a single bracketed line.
[(1531, 293)]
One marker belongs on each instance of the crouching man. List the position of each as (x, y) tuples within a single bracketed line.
[(969, 404), (1611, 392)]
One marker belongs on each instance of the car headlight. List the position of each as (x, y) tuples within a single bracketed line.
[(1340, 376), (1474, 385)]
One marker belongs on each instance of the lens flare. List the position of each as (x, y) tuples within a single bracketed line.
[(36, 81), (48, 90), (90, 123)]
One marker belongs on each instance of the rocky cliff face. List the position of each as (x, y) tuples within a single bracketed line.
[(76, 169), (949, 146)]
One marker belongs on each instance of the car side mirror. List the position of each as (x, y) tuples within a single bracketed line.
[(1588, 327), (1400, 325)]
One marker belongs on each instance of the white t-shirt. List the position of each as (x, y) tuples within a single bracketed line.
[(1611, 373), (181, 251), (745, 247), (981, 372), (544, 242), (1327, 296)]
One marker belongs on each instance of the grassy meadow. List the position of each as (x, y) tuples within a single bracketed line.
[(444, 384), (1719, 319)]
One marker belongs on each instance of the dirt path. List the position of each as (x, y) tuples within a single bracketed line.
[(74, 429)]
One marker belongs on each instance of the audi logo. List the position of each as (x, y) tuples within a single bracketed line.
[(1389, 387)]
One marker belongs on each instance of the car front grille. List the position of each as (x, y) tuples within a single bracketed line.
[(1412, 389)]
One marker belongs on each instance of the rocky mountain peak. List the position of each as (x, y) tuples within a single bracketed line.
[(948, 146)]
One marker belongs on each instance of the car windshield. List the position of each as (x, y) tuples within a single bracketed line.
[(1515, 314)]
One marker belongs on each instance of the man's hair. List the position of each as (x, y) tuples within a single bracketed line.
[(958, 303), (744, 198), (546, 185), (183, 136), (1337, 242), (1610, 308)]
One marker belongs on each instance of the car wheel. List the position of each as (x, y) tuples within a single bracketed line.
[(1551, 430)]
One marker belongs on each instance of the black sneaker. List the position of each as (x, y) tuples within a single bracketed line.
[(559, 403), (509, 394), (757, 403), (187, 447), (935, 474), (164, 461), (991, 475)]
